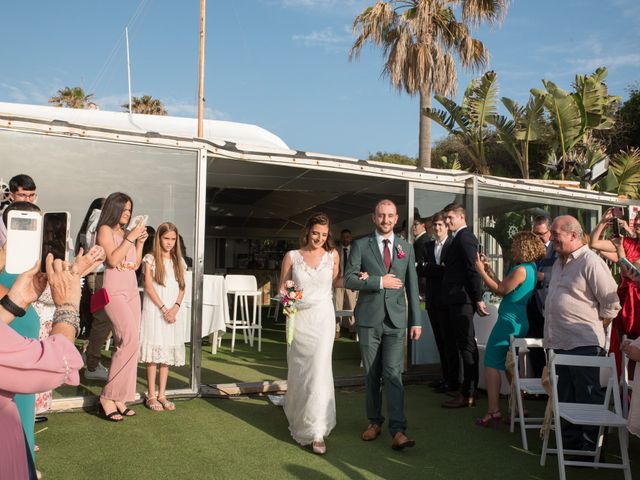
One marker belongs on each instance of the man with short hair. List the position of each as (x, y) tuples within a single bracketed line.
[(382, 317), (462, 294), (22, 188), (582, 300), (345, 298), (420, 238), (535, 308)]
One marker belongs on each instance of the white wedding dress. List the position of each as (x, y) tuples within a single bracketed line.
[(310, 400)]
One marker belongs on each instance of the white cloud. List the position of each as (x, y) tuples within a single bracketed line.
[(326, 38), (37, 93), (609, 61)]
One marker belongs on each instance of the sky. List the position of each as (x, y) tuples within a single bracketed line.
[(283, 64)]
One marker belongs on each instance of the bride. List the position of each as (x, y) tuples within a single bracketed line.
[(310, 401)]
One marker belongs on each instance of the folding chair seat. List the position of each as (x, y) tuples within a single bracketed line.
[(624, 381), (587, 415), (519, 347), (245, 288)]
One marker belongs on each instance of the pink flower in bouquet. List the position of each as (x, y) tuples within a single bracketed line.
[(400, 252)]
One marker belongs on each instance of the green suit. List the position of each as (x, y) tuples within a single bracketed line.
[(381, 317)]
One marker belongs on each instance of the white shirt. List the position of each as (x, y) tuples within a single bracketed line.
[(437, 251), (381, 247)]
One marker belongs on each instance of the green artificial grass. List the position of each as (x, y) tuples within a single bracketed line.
[(248, 438)]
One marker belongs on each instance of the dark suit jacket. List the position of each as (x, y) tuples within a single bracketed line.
[(545, 266), (461, 281), (433, 272), (418, 247)]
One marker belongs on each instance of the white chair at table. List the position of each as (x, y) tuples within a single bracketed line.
[(243, 288), (215, 309), (585, 414)]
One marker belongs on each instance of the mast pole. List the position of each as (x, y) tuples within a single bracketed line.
[(201, 69)]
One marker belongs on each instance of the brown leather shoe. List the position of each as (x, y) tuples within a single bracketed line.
[(401, 441), (460, 402), (372, 432)]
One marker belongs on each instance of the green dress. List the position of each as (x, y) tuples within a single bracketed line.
[(512, 319), (27, 326)]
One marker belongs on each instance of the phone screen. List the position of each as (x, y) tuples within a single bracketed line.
[(55, 229), (616, 227)]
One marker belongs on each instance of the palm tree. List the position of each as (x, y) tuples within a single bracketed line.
[(145, 104), (73, 97), (419, 39)]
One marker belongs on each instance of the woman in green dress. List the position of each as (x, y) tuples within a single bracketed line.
[(516, 290)]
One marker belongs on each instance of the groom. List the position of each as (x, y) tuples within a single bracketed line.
[(381, 318)]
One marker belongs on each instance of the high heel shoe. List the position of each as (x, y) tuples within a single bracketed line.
[(491, 418), (109, 416), (319, 447)]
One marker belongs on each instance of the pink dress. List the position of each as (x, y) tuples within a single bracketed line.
[(124, 311), (28, 366)]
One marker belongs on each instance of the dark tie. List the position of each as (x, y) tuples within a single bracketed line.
[(345, 257), (387, 254)]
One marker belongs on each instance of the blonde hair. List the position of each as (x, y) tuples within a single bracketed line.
[(175, 254), (531, 247)]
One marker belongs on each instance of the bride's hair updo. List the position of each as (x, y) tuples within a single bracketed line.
[(317, 219)]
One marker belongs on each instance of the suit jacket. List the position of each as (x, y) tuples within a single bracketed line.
[(545, 266), (433, 272), (418, 247), (461, 282), (372, 301)]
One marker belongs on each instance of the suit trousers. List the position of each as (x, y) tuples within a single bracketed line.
[(461, 319), (345, 300), (445, 341), (536, 330), (580, 385), (382, 349)]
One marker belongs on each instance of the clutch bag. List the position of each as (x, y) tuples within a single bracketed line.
[(99, 300)]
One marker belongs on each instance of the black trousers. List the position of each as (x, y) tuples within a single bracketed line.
[(446, 343), (461, 320), (579, 385), (536, 330)]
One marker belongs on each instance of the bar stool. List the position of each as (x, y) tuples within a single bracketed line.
[(243, 288)]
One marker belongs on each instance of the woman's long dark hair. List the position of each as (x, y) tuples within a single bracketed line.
[(317, 219), (96, 204), (113, 208)]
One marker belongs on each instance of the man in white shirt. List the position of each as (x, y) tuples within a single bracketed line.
[(345, 298), (22, 188)]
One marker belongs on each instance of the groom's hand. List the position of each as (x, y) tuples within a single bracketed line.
[(391, 281), (414, 333)]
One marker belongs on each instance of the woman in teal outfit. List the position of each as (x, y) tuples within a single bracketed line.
[(516, 290), (27, 326)]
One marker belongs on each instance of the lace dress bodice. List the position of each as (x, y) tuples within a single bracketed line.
[(316, 283)]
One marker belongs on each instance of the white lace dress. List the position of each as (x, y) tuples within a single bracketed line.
[(162, 342), (310, 400)]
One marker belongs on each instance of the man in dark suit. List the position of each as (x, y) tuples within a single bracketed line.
[(420, 238), (462, 294), (535, 308), (431, 270)]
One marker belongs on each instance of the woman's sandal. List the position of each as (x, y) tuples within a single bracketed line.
[(491, 418), (152, 403), (109, 416), (166, 404), (127, 412)]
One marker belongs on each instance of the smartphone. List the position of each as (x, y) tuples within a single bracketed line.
[(480, 249), (24, 240), (618, 212), (135, 221), (630, 266), (616, 227), (55, 231)]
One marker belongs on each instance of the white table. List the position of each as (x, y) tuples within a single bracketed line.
[(215, 307)]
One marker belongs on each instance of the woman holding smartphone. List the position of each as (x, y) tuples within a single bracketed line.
[(123, 250), (615, 248)]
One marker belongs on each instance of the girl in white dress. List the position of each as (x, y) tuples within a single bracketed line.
[(161, 332), (310, 401)]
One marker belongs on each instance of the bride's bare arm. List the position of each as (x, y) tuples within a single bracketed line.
[(338, 282), (285, 272)]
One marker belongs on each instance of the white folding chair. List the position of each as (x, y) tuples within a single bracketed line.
[(624, 381), (532, 386), (243, 288), (587, 414)]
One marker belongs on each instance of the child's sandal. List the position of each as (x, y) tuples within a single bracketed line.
[(166, 404), (152, 403)]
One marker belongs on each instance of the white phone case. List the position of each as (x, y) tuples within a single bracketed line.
[(24, 240)]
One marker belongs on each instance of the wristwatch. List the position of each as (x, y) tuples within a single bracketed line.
[(11, 307)]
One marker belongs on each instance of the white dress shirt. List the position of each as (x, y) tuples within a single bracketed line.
[(437, 251), (381, 247)]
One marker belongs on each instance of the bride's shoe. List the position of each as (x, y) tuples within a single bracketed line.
[(319, 447)]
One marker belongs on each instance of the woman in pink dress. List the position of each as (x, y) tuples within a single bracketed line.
[(30, 366), (123, 249)]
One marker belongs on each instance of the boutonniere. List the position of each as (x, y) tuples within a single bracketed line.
[(400, 252)]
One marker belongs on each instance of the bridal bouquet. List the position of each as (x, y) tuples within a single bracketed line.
[(290, 299)]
